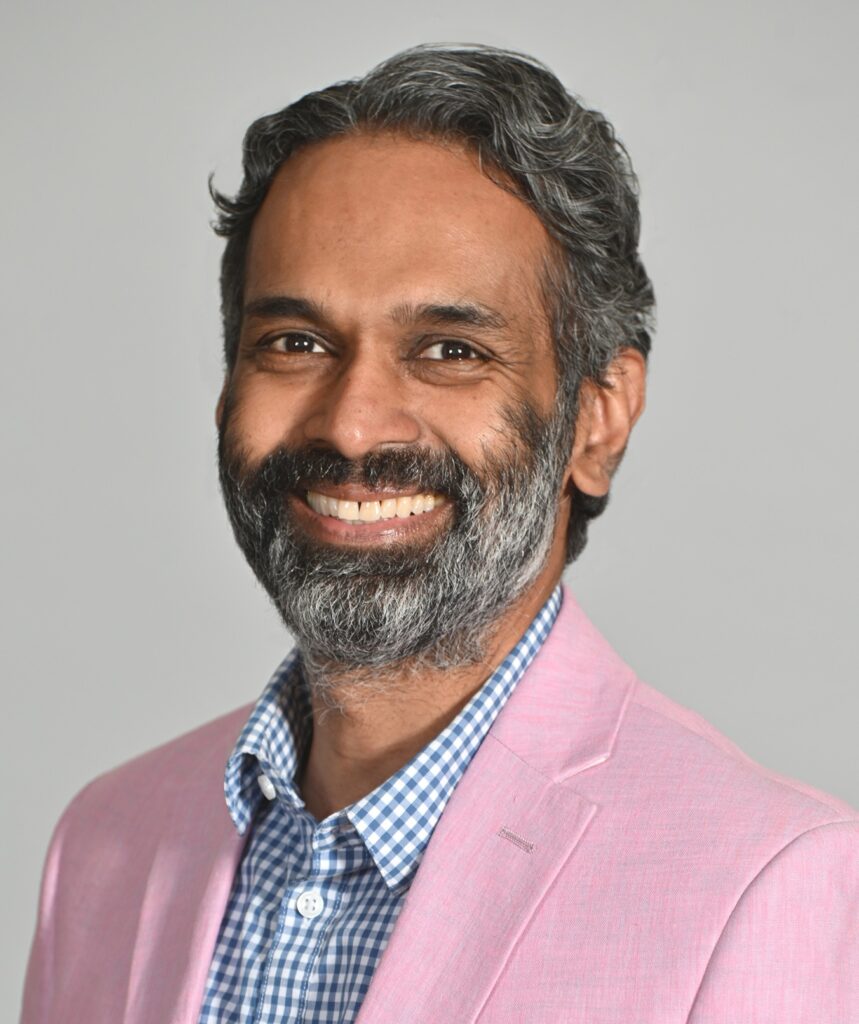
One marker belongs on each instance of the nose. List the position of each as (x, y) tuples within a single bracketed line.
[(364, 406)]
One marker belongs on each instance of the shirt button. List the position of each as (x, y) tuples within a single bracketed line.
[(267, 787), (310, 904)]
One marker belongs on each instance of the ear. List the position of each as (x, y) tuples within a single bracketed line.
[(604, 422), (219, 408)]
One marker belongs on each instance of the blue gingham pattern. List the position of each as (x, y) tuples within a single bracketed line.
[(273, 963)]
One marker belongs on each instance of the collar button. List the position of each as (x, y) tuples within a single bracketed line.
[(267, 787)]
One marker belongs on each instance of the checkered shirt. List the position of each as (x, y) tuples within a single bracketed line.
[(313, 903)]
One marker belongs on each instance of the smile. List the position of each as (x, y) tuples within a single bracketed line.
[(371, 511)]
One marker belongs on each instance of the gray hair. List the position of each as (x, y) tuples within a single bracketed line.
[(562, 159)]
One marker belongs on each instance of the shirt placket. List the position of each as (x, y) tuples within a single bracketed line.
[(312, 896)]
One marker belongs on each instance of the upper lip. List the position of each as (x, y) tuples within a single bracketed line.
[(358, 492)]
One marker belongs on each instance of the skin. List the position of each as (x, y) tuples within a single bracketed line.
[(370, 231)]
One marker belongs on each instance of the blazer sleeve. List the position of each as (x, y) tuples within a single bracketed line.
[(789, 953)]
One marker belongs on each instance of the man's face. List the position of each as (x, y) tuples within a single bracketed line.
[(390, 451)]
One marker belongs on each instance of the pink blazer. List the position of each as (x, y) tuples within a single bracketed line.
[(607, 857)]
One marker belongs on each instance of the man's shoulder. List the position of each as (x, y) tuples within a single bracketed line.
[(188, 769), (644, 754), (135, 860), (687, 760)]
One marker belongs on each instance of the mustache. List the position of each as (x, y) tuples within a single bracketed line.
[(296, 470)]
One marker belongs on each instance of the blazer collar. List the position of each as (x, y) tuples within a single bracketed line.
[(565, 714)]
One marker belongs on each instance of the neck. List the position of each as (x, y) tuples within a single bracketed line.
[(369, 722)]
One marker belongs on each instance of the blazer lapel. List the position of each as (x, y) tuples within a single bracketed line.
[(185, 885), (179, 923), (492, 857), (510, 826)]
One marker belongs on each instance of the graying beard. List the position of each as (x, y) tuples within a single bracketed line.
[(365, 628)]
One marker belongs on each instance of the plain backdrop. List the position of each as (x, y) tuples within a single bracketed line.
[(725, 568)]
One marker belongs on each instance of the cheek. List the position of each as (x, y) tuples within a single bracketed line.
[(467, 423), (261, 415)]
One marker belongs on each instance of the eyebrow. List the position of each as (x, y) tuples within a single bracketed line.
[(466, 314), (274, 306)]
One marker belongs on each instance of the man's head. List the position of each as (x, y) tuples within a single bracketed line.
[(430, 278)]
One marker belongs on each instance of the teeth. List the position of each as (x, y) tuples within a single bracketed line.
[(347, 510), (372, 511)]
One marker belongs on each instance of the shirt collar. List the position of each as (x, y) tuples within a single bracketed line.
[(273, 742), (396, 820)]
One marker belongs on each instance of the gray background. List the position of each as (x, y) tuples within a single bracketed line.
[(725, 569)]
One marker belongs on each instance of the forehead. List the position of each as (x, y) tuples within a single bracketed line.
[(389, 219)]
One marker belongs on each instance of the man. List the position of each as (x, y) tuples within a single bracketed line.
[(453, 801)]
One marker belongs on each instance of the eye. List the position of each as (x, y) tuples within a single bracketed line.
[(294, 342), (451, 351)]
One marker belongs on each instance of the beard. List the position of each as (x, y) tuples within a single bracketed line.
[(434, 603)]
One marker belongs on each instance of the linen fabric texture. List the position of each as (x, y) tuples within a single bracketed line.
[(607, 857)]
